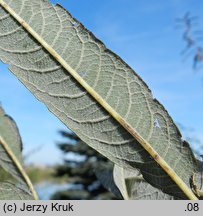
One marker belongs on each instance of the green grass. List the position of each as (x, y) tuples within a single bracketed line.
[(40, 174), (36, 174)]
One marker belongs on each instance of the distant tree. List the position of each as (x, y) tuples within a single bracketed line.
[(192, 38), (191, 137), (81, 170)]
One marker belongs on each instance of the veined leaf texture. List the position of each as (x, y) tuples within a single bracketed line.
[(94, 92), (9, 191), (9, 133), (11, 161), (133, 186)]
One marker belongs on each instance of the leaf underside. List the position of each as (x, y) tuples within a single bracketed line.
[(9, 191), (133, 186), (109, 76), (10, 134), (105, 176)]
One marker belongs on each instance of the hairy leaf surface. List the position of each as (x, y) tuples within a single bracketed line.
[(9, 132), (11, 161), (9, 191), (94, 92), (105, 176), (133, 186)]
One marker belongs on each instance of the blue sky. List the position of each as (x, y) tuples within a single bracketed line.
[(143, 33)]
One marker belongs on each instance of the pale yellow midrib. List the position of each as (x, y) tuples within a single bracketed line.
[(19, 167), (187, 191)]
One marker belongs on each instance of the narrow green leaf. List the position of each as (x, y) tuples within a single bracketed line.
[(94, 92), (9, 191), (9, 132), (11, 158)]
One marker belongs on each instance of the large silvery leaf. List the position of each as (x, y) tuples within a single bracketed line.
[(133, 186), (94, 92)]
